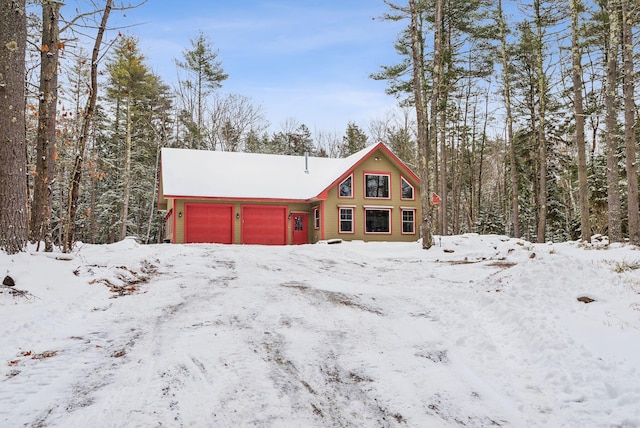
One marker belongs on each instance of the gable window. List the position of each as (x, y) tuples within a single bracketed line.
[(377, 185), (345, 188), (408, 221), (346, 220), (407, 190), (316, 218), (377, 220)]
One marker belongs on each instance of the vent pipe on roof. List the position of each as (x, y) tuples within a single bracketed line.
[(306, 162)]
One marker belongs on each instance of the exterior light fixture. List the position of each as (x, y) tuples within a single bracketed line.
[(238, 216), (180, 214)]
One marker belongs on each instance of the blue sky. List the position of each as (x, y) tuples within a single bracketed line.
[(303, 60)]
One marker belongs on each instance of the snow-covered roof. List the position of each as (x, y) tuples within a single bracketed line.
[(217, 174)]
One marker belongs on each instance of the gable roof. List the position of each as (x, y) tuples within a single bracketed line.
[(238, 175)]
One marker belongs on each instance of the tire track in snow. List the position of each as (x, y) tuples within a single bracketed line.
[(142, 341)]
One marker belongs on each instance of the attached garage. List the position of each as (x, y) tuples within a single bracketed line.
[(267, 199), (264, 224), (208, 223)]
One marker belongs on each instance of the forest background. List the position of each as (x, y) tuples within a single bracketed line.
[(523, 123)]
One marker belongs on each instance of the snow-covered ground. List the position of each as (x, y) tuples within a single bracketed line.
[(477, 331)]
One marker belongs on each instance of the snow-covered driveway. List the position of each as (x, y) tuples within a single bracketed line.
[(478, 331)]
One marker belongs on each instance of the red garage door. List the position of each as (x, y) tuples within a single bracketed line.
[(265, 225), (208, 223)]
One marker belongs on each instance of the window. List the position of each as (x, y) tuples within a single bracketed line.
[(377, 186), (407, 190), (377, 220), (408, 221), (346, 220), (346, 188), (316, 218)]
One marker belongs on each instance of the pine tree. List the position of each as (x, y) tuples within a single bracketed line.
[(353, 141), (204, 74), (40, 224), (611, 94), (576, 75), (13, 174), (628, 90), (133, 91)]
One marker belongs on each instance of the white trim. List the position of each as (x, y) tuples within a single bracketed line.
[(389, 210), (347, 206), (353, 220), (379, 174), (378, 207), (352, 190), (413, 222), (316, 212), (413, 190)]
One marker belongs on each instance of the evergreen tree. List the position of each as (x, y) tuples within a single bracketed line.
[(13, 177), (40, 223), (353, 141), (139, 104), (204, 74)]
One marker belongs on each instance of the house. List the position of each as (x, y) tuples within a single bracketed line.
[(250, 198)]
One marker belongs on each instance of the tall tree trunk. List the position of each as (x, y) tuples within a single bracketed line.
[(541, 132), (444, 205), (613, 191), (40, 225), (506, 83), (423, 142), (76, 174), (153, 208), (483, 145), (628, 89), (578, 109), (436, 93), (124, 217), (13, 161)]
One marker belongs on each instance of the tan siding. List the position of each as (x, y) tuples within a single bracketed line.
[(382, 165), (329, 214)]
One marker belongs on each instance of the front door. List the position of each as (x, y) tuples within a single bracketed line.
[(299, 229)]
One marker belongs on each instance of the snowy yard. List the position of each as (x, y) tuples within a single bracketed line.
[(478, 331)]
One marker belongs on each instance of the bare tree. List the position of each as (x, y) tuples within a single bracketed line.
[(13, 163), (233, 116), (328, 143)]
